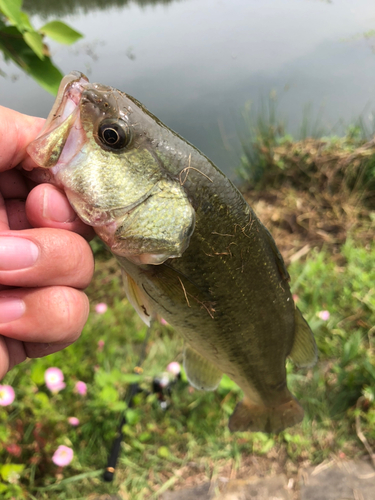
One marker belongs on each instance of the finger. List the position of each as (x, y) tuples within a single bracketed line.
[(4, 358), (12, 353), (39, 349), (43, 257), (4, 225), (50, 315), (13, 185), (16, 132), (16, 211), (47, 206)]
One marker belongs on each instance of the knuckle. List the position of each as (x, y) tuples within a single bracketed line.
[(71, 309), (77, 264)]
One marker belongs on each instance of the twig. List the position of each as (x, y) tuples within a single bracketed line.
[(360, 434), (301, 253)]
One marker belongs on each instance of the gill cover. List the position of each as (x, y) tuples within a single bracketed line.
[(98, 152)]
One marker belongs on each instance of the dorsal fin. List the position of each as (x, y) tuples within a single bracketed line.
[(304, 352), (278, 257)]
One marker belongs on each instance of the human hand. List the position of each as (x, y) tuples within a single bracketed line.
[(45, 261)]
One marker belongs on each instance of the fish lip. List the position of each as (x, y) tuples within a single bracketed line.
[(70, 89), (64, 113), (65, 105)]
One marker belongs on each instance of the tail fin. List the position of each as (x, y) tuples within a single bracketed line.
[(248, 416)]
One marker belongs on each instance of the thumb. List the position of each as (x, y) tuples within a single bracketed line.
[(16, 132)]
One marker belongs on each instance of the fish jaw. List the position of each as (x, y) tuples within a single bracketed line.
[(138, 210), (52, 140)]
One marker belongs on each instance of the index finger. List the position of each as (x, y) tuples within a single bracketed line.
[(4, 224), (16, 132)]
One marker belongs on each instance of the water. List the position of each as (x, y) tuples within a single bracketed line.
[(196, 63)]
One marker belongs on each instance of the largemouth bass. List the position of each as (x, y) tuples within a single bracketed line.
[(191, 249)]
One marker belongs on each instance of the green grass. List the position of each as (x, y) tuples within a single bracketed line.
[(161, 448), (313, 161)]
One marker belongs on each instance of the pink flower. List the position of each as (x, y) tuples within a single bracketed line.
[(73, 421), (7, 395), (324, 315), (295, 298), (54, 379), (100, 345), (101, 308), (63, 456), (81, 388), (174, 368), (14, 449), (163, 322)]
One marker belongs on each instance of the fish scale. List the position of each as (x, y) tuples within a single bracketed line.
[(191, 249)]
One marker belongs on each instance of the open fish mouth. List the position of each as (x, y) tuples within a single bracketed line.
[(52, 146), (62, 139), (68, 97), (97, 148)]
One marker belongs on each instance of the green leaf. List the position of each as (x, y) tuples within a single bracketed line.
[(12, 10), (145, 436), (119, 406), (60, 32), (4, 433), (103, 378), (26, 22), (11, 471), (130, 378), (108, 394), (37, 372), (163, 452), (43, 71), (267, 446), (35, 42), (42, 399), (132, 416)]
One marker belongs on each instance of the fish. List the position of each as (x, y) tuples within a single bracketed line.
[(191, 249)]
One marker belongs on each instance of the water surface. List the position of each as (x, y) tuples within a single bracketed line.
[(195, 63)]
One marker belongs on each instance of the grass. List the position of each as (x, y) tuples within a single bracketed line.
[(272, 157), (189, 442)]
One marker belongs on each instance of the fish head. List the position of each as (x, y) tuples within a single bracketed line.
[(98, 145)]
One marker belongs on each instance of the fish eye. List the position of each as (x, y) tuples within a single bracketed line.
[(114, 133)]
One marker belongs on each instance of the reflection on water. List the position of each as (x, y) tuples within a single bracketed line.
[(195, 64), (46, 8)]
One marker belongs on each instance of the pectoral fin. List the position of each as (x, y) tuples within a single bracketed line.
[(137, 298), (304, 352), (202, 374), (248, 416)]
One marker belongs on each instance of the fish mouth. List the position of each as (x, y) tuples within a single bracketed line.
[(53, 140)]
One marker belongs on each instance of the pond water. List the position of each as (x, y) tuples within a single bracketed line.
[(196, 63)]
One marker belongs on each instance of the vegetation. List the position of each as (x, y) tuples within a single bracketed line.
[(314, 163), (47, 8), (21, 43), (325, 230)]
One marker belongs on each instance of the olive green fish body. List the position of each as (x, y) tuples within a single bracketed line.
[(191, 248)]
